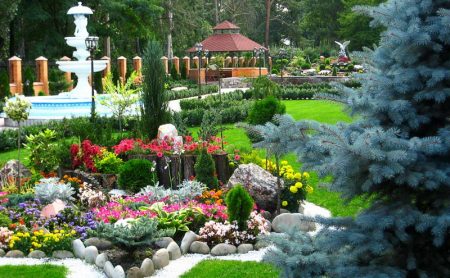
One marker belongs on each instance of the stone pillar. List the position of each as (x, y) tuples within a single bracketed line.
[(15, 75), (176, 62), (165, 62), (122, 66), (253, 62), (195, 61), (108, 66), (241, 61), (137, 66), (187, 63), (235, 62), (68, 75), (42, 73), (228, 62)]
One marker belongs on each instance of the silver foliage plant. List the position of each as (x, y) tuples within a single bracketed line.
[(187, 190), (48, 190)]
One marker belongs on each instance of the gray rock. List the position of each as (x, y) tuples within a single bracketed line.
[(118, 272), (259, 183), (2, 253), (267, 215), (291, 221), (36, 254), (9, 170), (135, 272), (62, 254), (100, 243), (101, 260), (147, 267), (163, 242), (199, 247), (244, 248), (301, 208), (188, 238), (161, 258), (15, 254), (90, 254), (174, 251), (282, 210), (108, 268), (223, 249), (260, 244), (78, 248)]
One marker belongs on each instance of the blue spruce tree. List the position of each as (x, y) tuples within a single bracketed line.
[(398, 153)]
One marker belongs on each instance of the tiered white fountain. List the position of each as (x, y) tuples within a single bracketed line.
[(77, 102), (82, 67)]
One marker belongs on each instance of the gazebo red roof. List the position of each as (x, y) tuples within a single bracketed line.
[(226, 25), (227, 42)]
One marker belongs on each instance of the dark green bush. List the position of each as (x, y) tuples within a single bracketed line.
[(306, 66), (263, 87), (205, 170), (322, 67), (183, 71), (135, 174), (15, 199), (264, 110), (334, 71), (239, 205), (173, 72), (28, 78), (4, 84)]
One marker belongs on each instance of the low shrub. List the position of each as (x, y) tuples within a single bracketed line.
[(239, 205), (108, 163), (264, 110), (135, 174), (43, 150), (48, 190), (205, 170)]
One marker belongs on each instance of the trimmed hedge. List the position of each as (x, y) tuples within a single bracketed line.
[(193, 92)]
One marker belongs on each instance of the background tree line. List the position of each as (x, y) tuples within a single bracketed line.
[(31, 28)]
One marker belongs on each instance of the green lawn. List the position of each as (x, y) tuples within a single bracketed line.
[(5, 156), (33, 271), (231, 269)]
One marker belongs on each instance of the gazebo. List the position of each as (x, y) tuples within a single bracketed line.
[(227, 39)]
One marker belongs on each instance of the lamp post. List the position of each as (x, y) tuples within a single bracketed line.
[(259, 52), (206, 66), (91, 46), (199, 49)]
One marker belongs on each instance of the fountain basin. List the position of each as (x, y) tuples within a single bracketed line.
[(81, 66)]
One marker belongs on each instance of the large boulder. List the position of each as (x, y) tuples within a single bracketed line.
[(259, 183), (287, 221), (161, 258), (100, 243), (199, 247), (188, 238), (223, 249), (9, 171)]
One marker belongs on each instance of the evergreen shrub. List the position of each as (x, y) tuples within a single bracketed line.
[(135, 174), (239, 205), (264, 110), (205, 170), (4, 84)]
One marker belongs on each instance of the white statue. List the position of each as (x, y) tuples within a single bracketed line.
[(343, 46), (81, 26)]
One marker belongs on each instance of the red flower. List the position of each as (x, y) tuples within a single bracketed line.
[(159, 154)]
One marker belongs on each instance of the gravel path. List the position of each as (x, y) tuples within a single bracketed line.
[(77, 268)]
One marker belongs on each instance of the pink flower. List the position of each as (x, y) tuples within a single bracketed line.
[(159, 154), (237, 157)]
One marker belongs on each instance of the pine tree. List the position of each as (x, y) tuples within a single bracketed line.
[(397, 152), (154, 101), (205, 170)]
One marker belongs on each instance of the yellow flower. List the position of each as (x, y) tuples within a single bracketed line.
[(306, 175), (57, 240), (284, 203), (298, 184), (27, 234), (19, 234), (284, 162), (309, 189), (293, 189), (289, 176), (31, 249), (298, 176), (73, 232)]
